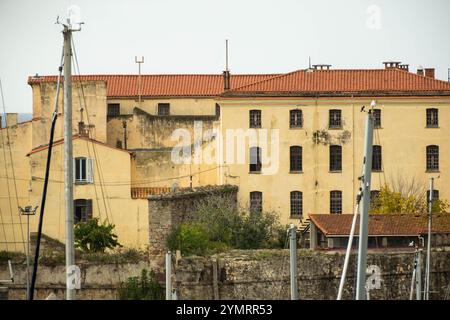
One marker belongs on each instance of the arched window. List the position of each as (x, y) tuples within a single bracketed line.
[(255, 159), (376, 158), (255, 118), (432, 158), (295, 118), (336, 202), (295, 158), (256, 201), (335, 158), (296, 204)]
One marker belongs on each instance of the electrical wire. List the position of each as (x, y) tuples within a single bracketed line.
[(13, 172)]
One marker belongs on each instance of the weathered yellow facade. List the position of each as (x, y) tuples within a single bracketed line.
[(403, 136), (132, 150)]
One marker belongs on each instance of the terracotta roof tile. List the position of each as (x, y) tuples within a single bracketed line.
[(345, 81), (198, 85), (382, 224)]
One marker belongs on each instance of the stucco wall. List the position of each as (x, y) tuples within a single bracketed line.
[(403, 136)]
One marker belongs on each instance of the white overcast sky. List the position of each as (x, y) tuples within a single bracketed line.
[(187, 36)]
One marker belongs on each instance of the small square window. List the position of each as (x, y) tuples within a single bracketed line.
[(163, 109), (255, 118)]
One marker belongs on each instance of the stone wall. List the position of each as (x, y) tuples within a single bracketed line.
[(169, 210), (264, 274)]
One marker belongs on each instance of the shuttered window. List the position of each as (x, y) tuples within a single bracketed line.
[(82, 210), (83, 170)]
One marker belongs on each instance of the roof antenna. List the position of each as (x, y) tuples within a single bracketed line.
[(309, 59), (226, 73), (226, 55)]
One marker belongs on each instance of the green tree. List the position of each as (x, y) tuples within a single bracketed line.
[(93, 236)]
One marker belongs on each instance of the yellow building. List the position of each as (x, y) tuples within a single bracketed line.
[(307, 124)]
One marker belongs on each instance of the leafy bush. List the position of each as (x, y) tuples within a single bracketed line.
[(91, 236), (145, 287), (218, 224)]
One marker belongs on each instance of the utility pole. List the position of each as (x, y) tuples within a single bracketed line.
[(293, 261), (28, 211), (364, 213), (419, 275), (430, 221), (168, 275), (68, 159), (139, 61)]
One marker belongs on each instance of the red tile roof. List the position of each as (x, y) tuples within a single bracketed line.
[(75, 137), (381, 224), (335, 82), (182, 85)]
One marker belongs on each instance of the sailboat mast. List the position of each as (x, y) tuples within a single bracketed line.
[(68, 162), (365, 202)]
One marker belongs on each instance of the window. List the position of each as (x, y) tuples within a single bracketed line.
[(336, 202), (295, 118), (82, 210), (255, 159), (377, 118), (374, 194), (83, 172), (296, 204), (335, 119), (435, 195), (255, 118), (376, 158), (432, 158), (163, 109), (256, 201), (217, 110), (335, 158), (113, 110), (296, 158), (432, 118)]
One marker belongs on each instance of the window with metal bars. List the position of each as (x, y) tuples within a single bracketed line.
[(256, 201), (163, 109), (335, 158), (432, 118), (377, 118), (295, 159), (432, 158), (295, 118), (376, 158), (255, 159), (336, 202), (255, 118), (335, 120), (435, 195), (296, 204), (113, 110), (82, 210)]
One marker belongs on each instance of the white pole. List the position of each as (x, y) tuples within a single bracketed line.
[(349, 249), (293, 261), (364, 216), (68, 162), (168, 276), (427, 272), (413, 278), (419, 275)]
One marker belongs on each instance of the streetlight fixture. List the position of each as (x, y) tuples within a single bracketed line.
[(28, 211)]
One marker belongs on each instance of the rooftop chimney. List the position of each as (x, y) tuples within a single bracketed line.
[(11, 119), (420, 71), (429, 72), (226, 73), (404, 67), (322, 66), (391, 64), (226, 80)]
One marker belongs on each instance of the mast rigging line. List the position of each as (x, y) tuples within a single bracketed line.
[(46, 180), (96, 159), (13, 174)]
